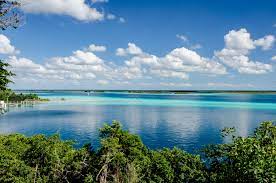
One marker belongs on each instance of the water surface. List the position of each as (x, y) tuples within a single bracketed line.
[(188, 121)]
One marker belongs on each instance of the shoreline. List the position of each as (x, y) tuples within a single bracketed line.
[(158, 91)]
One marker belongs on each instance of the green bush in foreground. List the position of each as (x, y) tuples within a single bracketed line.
[(122, 157)]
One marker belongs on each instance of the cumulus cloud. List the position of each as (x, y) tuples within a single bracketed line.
[(6, 47), (96, 48), (266, 42), (131, 50), (187, 60), (138, 68), (239, 40), (237, 48), (80, 65), (176, 64), (77, 9)]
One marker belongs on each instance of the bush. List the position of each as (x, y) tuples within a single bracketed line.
[(122, 157), (251, 159)]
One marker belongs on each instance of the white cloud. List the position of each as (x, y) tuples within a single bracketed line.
[(84, 66), (24, 63), (79, 66), (79, 58), (77, 9), (176, 64), (266, 42), (131, 50), (170, 74), (273, 58), (96, 48), (237, 48), (242, 63), (99, 1), (239, 40), (182, 37), (5, 46), (172, 69), (187, 60)]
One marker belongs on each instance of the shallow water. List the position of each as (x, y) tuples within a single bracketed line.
[(188, 121)]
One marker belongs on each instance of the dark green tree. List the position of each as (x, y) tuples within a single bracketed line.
[(9, 17), (5, 75)]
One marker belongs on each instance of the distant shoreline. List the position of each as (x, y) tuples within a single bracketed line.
[(161, 91)]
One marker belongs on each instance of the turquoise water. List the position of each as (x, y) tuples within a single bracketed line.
[(188, 121)]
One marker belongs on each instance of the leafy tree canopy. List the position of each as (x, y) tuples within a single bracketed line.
[(5, 75), (122, 157)]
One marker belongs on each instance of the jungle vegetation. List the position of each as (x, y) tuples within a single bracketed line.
[(122, 157)]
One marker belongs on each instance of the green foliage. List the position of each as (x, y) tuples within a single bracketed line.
[(40, 159), (4, 75), (10, 96), (251, 159), (186, 167), (122, 157)]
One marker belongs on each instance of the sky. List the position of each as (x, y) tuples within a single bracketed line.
[(143, 44)]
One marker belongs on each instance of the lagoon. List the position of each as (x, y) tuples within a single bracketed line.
[(188, 121)]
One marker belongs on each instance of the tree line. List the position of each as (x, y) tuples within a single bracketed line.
[(123, 158)]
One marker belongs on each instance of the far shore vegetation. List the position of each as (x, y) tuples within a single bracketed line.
[(161, 91), (10, 96), (123, 158)]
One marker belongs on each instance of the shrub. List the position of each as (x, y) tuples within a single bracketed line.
[(122, 157), (250, 159)]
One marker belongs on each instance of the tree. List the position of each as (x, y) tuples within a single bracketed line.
[(4, 75), (245, 159), (9, 16), (123, 158)]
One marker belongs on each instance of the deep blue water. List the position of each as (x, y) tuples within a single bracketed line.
[(188, 121)]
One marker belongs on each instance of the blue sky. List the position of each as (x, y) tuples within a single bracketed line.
[(145, 44)]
